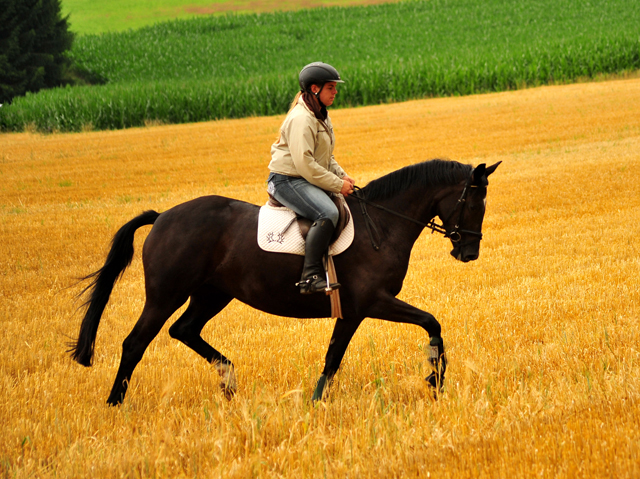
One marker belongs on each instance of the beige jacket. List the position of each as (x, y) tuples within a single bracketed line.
[(305, 150)]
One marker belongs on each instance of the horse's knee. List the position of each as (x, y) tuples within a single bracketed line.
[(431, 325), (132, 350), (181, 332), (176, 331)]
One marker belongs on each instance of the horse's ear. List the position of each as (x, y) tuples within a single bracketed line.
[(478, 173), (492, 168)]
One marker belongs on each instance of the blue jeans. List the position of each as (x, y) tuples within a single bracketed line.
[(302, 197)]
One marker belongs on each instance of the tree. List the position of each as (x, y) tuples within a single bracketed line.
[(33, 41)]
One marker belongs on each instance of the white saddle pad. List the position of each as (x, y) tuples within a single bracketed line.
[(278, 232)]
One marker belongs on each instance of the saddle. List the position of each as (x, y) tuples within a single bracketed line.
[(275, 235), (304, 223)]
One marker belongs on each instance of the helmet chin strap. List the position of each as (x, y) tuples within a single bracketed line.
[(317, 95)]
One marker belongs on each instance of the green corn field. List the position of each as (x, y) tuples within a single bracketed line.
[(234, 66)]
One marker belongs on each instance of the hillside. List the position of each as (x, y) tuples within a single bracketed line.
[(101, 16)]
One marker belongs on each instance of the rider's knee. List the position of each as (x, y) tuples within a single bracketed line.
[(332, 215)]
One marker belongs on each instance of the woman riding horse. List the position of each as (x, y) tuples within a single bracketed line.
[(304, 171), (205, 251)]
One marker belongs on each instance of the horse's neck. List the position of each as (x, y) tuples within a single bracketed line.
[(416, 203)]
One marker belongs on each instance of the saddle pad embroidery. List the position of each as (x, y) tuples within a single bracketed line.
[(278, 232)]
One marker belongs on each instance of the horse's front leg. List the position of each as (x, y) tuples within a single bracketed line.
[(343, 331), (392, 309)]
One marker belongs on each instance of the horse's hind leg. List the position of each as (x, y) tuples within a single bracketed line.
[(204, 305), (153, 317)]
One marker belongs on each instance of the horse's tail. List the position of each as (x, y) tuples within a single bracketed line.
[(101, 285)]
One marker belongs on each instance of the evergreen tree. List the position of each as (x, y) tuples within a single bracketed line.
[(33, 40)]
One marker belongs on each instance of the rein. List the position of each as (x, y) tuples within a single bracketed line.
[(455, 234)]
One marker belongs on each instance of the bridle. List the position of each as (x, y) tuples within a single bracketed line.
[(454, 234)]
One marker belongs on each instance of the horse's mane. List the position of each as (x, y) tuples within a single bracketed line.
[(426, 174)]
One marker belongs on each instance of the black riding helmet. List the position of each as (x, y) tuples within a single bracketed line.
[(317, 73)]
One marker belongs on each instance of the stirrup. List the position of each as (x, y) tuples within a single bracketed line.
[(316, 284), (331, 288)]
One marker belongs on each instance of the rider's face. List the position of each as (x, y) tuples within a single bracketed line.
[(328, 93)]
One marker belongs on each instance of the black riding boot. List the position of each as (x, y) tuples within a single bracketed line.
[(313, 274)]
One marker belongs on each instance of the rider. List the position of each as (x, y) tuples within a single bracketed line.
[(303, 170)]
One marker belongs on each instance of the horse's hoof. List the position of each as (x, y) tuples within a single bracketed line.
[(228, 392), (229, 384), (436, 385), (115, 400), (319, 391)]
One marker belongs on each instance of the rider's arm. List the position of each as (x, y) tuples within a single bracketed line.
[(302, 135)]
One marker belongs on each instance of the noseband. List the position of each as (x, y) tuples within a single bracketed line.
[(455, 234)]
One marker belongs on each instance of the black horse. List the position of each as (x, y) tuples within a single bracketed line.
[(206, 250)]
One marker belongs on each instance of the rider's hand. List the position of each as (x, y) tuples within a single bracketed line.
[(349, 179), (347, 187)]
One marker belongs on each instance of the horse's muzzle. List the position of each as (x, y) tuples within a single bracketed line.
[(466, 253)]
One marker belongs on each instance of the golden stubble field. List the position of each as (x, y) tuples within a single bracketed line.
[(542, 332)]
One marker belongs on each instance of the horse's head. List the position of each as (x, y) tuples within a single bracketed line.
[(462, 211)]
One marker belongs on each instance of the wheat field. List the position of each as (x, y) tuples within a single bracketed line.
[(542, 331)]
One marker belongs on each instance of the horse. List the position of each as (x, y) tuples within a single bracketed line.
[(205, 251)]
